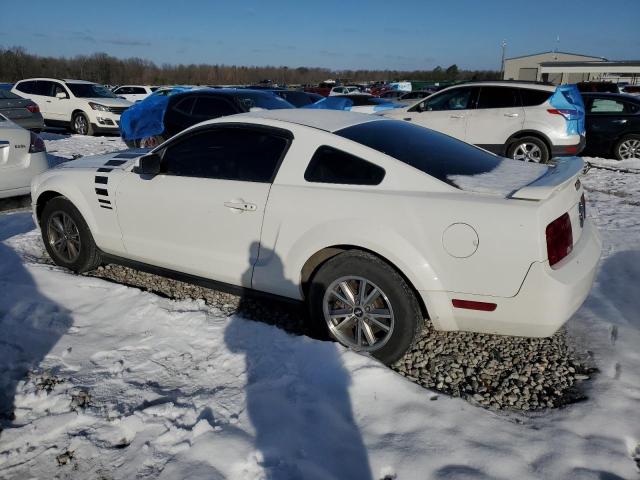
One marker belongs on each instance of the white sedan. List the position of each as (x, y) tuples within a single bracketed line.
[(22, 157), (375, 223)]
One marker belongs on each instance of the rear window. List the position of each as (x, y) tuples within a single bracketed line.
[(431, 152), (7, 95), (267, 101)]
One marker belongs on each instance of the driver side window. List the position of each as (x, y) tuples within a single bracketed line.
[(239, 154)]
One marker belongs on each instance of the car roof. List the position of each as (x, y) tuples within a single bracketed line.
[(327, 120), (498, 83)]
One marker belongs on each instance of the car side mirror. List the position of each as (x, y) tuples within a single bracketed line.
[(61, 95), (148, 165)]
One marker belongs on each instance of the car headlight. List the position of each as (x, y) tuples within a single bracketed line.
[(97, 106)]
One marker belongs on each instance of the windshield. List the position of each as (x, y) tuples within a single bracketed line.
[(90, 90), (7, 95), (268, 101), (434, 153)]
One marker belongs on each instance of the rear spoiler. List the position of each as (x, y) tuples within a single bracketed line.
[(561, 172)]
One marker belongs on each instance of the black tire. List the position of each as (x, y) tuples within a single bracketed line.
[(516, 145), (632, 141), (408, 319), (84, 128), (88, 257)]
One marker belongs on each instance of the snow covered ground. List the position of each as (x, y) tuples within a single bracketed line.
[(126, 384)]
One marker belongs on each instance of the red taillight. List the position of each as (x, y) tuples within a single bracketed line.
[(33, 108), (473, 305), (559, 239), (567, 113), (36, 145)]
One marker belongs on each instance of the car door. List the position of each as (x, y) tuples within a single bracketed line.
[(59, 108), (445, 112), (41, 94), (203, 213), (498, 115), (607, 119)]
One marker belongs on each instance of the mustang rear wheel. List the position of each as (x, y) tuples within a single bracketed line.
[(67, 237), (364, 304)]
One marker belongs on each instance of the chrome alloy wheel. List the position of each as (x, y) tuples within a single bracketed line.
[(528, 152), (358, 313), (64, 236), (80, 125), (629, 149)]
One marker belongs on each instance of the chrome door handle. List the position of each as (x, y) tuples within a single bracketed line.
[(620, 121), (511, 115), (456, 116), (242, 206)]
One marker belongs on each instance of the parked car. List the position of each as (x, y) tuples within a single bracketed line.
[(305, 205), (134, 93), (613, 125), (602, 87), (524, 121), (157, 118), (6, 86), (631, 90), (323, 88), (343, 90), (298, 98), (84, 107), (22, 157), (21, 111)]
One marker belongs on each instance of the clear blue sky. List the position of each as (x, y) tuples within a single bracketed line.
[(335, 34)]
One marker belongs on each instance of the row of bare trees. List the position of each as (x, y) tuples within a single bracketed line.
[(16, 63)]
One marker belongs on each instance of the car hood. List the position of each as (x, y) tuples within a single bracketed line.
[(117, 160), (110, 102)]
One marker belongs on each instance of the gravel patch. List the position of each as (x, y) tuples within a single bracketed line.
[(492, 371)]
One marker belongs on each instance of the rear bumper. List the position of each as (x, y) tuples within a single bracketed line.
[(570, 150), (547, 298), (35, 122)]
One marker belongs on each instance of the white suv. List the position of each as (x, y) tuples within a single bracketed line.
[(515, 119), (85, 107), (134, 93)]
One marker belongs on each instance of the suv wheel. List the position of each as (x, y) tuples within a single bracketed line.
[(67, 237), (364, 304), (529, 149), (81, 125), (628, 147)]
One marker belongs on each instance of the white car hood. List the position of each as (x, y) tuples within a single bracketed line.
[(117, 160), (110, 102)]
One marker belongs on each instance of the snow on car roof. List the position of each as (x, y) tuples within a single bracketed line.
[(328, 120)]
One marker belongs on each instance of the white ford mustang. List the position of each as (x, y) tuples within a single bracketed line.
[(374, 223)]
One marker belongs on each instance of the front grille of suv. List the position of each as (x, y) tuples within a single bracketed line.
[(117, 110)]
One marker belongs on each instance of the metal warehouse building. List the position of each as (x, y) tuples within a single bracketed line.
[(563, 67)]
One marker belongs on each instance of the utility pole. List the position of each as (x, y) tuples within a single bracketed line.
[(504, 49)]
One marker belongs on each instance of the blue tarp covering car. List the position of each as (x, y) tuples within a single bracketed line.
[(568, 101), (145, 118)]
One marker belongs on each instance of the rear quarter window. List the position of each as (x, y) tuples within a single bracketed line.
[(532, 98), (330, 165)]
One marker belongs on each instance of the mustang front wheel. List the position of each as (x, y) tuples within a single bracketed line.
[(364, 304), (67, 237)]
